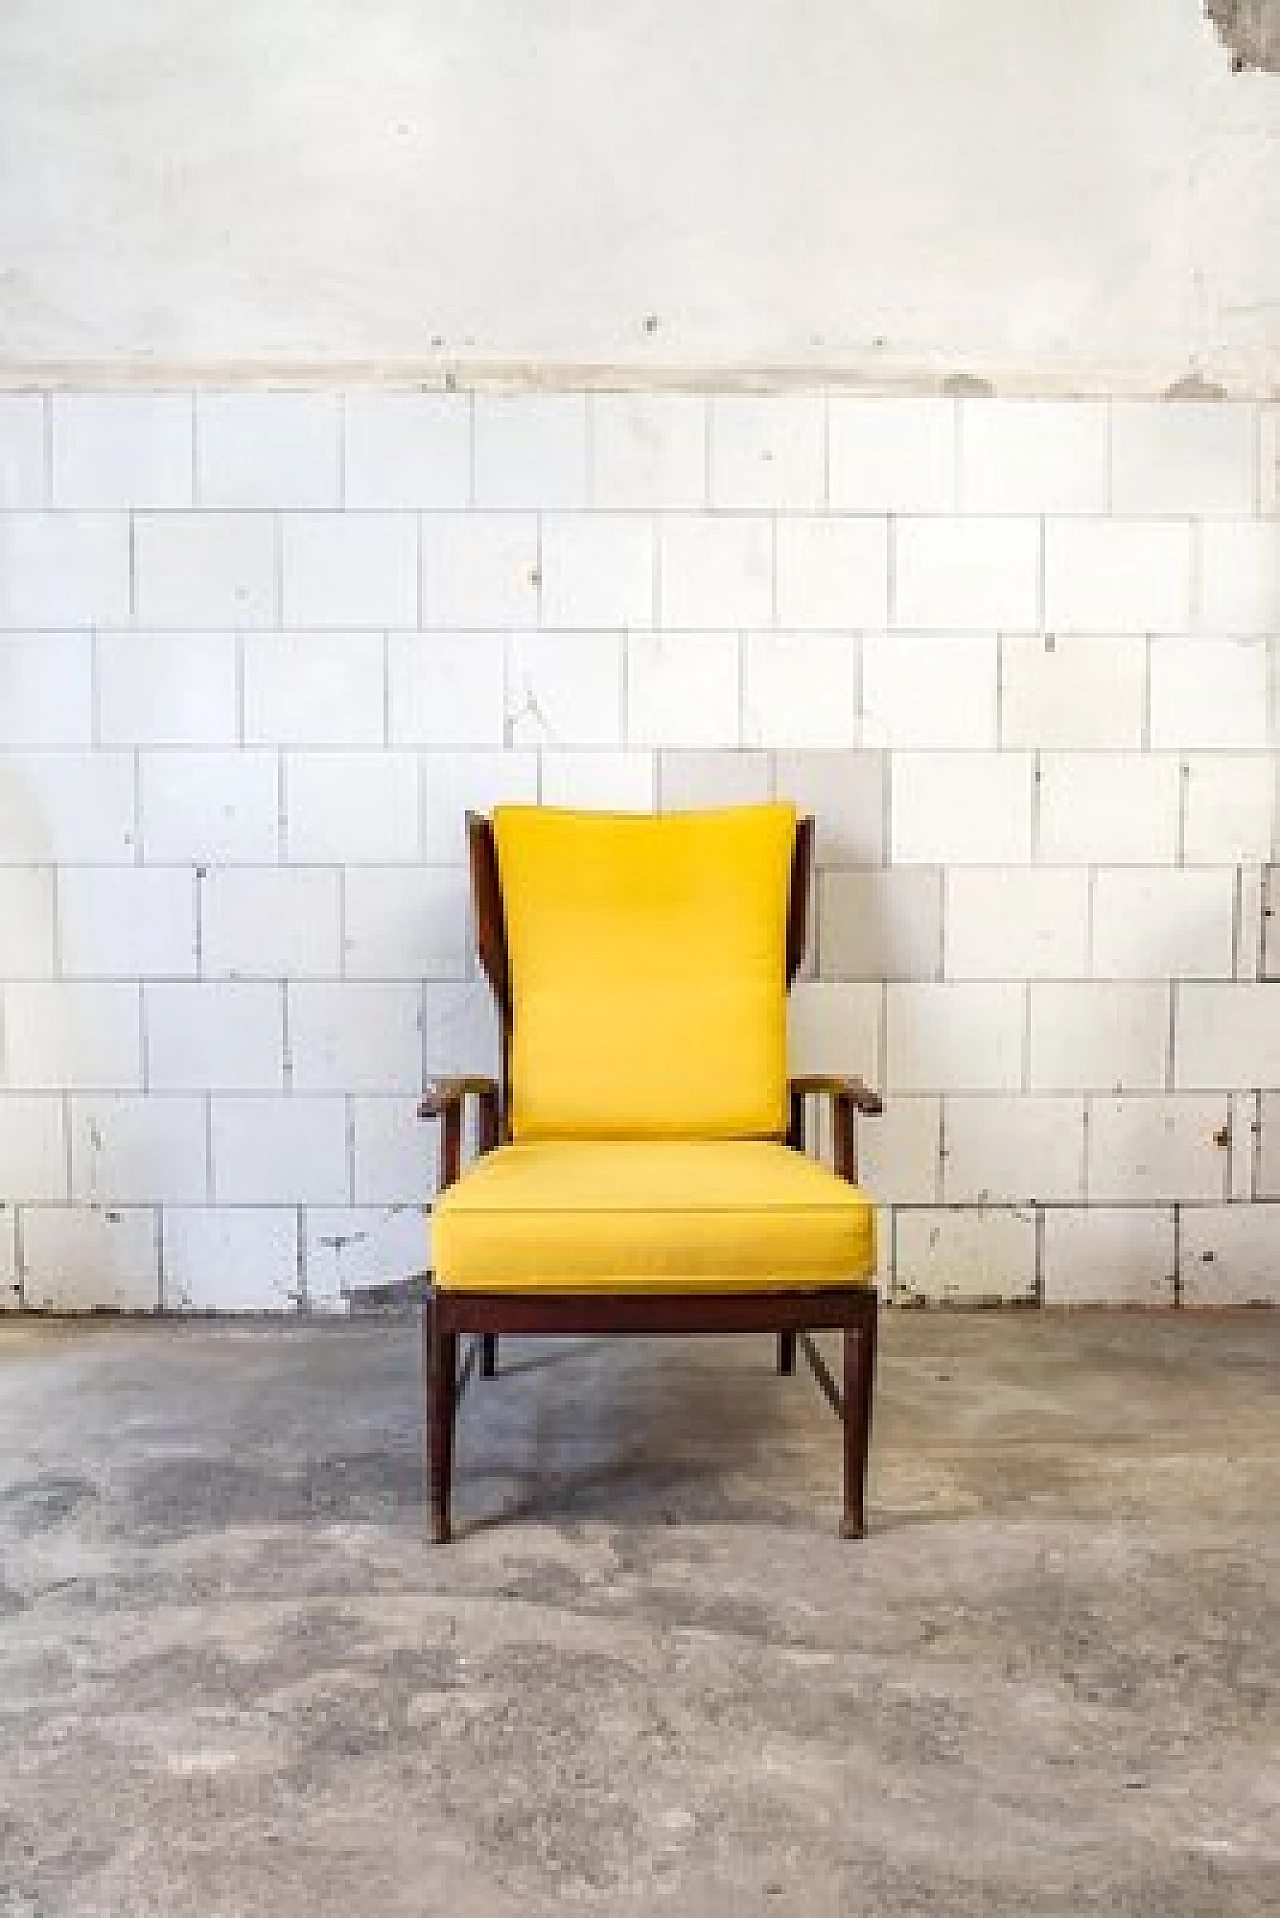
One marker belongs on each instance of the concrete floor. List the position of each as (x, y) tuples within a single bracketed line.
[(235, 1679)]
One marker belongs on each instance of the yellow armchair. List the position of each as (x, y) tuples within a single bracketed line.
[(641, 1163)]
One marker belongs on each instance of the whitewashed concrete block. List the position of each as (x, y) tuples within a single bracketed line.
[(967, 573), (880, 925), (1229, 808), (64, 569), (1098, 1038), (1117, 576), (531, 449), (1117, 808), (455, 783), (459, 1030), (352, 1249), (1034, 456), (600, 781), (121, 449), (892, 455), (695, 781), (355, 1037), (1239, 577), (1109, 1255), (966, 808), (126, 922), (1181, 456), (954, 1038), (1230, 1255), (597, 570), (279, 1151), (26, 923), (71, 1037), (1209, 692), (1243, 1154), (268, 449), (801, 690), (230, 1259), (214, 1037), (22, 449), (1227, 1037), (480, 569), (929, 690), (1157, 1148), (406, 922), (130, 1149), (682, 689), (1255, 925), (846, 793), (270, 922), (210, 807), (167, 689), (1172, 924), (648, 449), (899, 1154), (1087, 693), (10, 1281), (351, 808), (715, 570), (349, 569), (314, 689), (68, 806), (82, 1260), (395, 1154), (832, 571), (971, 1256), (1013, 1151), (203, 570), (1269, 456), (1269, 1146), (768, 450), (33, 1149), (446, 689), (835, 1029), (47, 682), (1017, 922), (565, 689), (407, 449)]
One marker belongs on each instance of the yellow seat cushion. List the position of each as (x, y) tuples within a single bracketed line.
[(648, 971), (689, 1215)]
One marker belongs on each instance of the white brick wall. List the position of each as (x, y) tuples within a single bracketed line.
[(259, 651)]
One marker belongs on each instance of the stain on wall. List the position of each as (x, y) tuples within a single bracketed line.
[(1250, 29)]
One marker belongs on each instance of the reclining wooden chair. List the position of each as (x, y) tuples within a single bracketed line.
[(641, 1166)]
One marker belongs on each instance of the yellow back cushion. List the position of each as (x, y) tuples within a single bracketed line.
[(648, 971)]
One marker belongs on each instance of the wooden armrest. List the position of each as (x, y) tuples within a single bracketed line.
[(444, 1099), (439, 1094), (857, 1091)]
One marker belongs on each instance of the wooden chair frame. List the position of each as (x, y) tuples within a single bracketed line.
[(790, 1312)]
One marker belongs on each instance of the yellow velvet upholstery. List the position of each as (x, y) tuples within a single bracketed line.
[(601, 1215), (648, 971)]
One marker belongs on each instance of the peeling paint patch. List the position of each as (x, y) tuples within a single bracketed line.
[(968, 386), (1195, 387), (1250, 30)]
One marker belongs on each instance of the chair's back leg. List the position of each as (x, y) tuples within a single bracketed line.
[(488, 1355), (787, 1352), (859, 1382), (443, 1383)]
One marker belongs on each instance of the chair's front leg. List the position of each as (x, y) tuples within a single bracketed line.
[(786, 1353), (443, 1389), (859, 1380), (488, 1355)]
